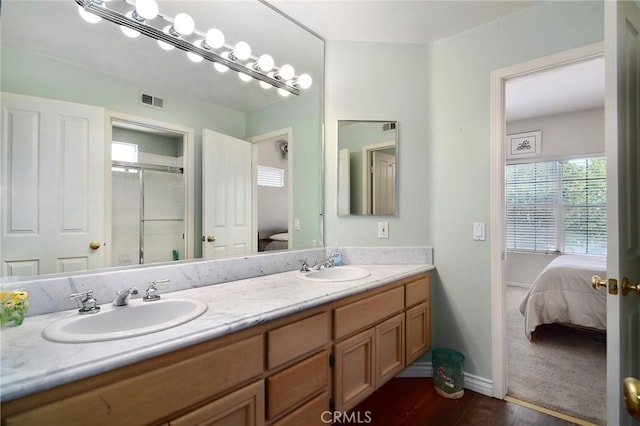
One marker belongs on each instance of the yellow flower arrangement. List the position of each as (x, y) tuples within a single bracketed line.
[(13, 307)]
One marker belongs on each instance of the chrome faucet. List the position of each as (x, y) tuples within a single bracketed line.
[(151, 293), (327, 263), (122, 297), (88, 304)]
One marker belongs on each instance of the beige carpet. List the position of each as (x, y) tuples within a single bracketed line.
[(563, 369)]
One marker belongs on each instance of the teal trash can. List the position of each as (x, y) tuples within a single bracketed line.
[(448, 372)]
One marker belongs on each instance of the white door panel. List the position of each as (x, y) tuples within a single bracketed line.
[(53, 181), (622, 116), (226, 195)]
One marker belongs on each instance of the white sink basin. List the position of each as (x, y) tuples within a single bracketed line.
[(119, 322), (339, 273)]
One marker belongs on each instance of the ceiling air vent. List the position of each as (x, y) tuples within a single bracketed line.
[(152, 101), (386, 127)]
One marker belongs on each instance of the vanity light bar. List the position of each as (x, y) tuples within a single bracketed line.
[(117, 11)]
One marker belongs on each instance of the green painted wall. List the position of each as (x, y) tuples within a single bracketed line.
[(441, 96)]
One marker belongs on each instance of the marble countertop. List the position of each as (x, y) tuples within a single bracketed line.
[(29, 363)]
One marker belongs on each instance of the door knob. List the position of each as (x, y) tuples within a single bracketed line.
[(596, 282), (209, 238), (94, 245), (632, 396), (627, 287)]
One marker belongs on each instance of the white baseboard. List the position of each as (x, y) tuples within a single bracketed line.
[(471, 381)]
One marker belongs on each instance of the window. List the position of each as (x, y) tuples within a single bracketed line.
[(270, 176), (557, 206), (123, 151)]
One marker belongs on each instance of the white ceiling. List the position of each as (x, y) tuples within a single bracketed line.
[(63, 34), (395, 21), (576, 87)]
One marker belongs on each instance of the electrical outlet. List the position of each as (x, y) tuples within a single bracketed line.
[(383, 229)]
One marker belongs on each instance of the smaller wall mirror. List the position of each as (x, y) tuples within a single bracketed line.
[(367, 167)]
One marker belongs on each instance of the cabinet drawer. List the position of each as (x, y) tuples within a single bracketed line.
[(145, 398), (294, 340), (418, 291), (242, 407), (298, 382), (366, 312), (310, 414)]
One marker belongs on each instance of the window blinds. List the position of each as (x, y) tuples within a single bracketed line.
[(557, 206)]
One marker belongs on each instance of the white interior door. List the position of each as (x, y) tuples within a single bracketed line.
[(53, 186), (622, 134), (226, 195), (384, 183), (344, 182)]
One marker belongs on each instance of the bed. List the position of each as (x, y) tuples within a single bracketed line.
[(563, 293), (273, 240)]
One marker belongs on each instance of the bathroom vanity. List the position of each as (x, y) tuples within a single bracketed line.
[(310, 348)]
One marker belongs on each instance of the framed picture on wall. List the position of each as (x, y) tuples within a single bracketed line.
[(524, 145)]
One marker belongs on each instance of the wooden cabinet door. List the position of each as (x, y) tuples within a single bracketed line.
[(390, 349), (418, 326), (354, 378), (244, 407)]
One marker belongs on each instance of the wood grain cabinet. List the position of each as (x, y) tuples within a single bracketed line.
[(278, 373), (244, 407), (393, 337)]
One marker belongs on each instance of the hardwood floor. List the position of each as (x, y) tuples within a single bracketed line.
[(414, 402)]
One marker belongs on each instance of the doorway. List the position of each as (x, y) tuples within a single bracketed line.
[(150, 194), (498, 196), (272, 215)]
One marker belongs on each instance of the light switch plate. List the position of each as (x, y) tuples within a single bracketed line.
[(383, 229), (479, 232)]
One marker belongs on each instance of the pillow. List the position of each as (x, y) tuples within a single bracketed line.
[(283, 236)]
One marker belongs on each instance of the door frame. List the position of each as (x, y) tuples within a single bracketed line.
[(367, 173), (285, 133), (120, 119), (498, 223)]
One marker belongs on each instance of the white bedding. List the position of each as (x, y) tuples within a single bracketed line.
[(563, 293)]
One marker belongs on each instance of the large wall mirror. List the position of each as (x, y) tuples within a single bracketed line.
[(367, 167), (190, 188)]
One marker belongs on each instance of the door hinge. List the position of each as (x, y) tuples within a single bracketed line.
[(332, 360)]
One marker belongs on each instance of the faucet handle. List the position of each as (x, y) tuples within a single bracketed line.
[(88, 304), (304, 265), (151, 293)]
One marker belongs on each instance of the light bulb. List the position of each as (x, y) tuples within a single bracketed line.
[(304, 81), (244, 77), (264, 84), (163, 44), (194, 57), (146, 9), (183, 24), (88, 16), (242, 51), (265, 63), (222, 67), (215, 38), (129, 32), (283, 93), (286, 72)]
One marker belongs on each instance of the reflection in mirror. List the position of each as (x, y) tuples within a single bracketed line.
[(367, 167), (65, 79)]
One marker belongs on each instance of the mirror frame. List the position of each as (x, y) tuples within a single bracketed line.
[(374, 146)]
